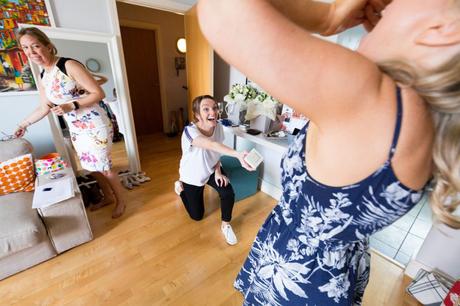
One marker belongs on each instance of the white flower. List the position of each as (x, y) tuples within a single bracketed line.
[(335, 214), (312, 242), (293, 245), (394, 193), (238, 284), (287, 216), (291, 164), (286, 275), (337, 287), (335, 259)]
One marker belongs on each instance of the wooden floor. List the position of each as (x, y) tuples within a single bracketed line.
[(156, 255)]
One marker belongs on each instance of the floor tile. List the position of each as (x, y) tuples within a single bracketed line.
[(426, 214), (420, 228), (405, 222), (411, 244), (415, 211), (392, 236), (402, 258), (382, 247)]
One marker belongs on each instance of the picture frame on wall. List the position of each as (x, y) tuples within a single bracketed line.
[(16, 76)]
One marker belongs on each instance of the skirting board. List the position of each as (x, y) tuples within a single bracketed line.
[(414, 266), (270, 189)]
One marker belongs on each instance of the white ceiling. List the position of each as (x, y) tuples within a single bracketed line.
[(176, 6)]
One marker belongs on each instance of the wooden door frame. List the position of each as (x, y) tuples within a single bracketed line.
[(157, 28)]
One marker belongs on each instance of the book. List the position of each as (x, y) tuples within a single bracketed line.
[(53, 192), (253, 158)]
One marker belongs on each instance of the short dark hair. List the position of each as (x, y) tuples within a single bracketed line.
[(196, 105)]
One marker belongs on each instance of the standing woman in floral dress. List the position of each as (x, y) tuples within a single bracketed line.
[(68, 89), (383, 121)]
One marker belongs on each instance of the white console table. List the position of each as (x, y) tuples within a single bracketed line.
[(271, 149)]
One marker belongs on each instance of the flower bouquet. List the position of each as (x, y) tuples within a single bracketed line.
[(237, 100), (253, 101)]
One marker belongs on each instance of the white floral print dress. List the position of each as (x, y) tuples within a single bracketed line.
[(313, 248), (90, 128)]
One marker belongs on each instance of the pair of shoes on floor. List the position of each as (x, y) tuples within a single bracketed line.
[(133, 180), (129, 180), (126, 182), (178, 188), (141, 177), (229, 235)]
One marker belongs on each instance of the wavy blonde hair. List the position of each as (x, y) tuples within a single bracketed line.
[(440, 88)]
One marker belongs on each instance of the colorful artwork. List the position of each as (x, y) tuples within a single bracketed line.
[(15, 72)]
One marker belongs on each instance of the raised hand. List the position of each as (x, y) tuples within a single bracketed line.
[(373, 13), (346, 14)]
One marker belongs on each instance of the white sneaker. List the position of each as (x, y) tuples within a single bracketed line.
[(178, 188), (229, 234)]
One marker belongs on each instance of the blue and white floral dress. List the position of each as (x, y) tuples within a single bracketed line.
[(90, 128), (313, 248)]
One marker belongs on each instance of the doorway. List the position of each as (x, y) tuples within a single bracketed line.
[(140, 51)]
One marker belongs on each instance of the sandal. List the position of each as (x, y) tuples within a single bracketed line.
[(132, 179), (126, 183), (141, 177)]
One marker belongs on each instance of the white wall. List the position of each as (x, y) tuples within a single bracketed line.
[(224, 77), (81, 51), (89, 15), (440, 251), (13, 110)]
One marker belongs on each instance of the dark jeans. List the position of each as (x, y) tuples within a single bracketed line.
[(192, 197)]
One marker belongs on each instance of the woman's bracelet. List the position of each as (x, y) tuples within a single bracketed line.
[(25, 126)]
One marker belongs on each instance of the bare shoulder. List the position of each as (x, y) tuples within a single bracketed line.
[(73, 66), (412, 161)]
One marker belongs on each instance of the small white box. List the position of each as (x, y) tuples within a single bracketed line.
[(253, 158)]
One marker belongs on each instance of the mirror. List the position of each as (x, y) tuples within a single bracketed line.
[(99, 50)]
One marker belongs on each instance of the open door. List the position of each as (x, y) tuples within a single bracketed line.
[(200, 59)]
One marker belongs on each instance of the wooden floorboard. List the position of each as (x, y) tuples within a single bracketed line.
[(156, 255)]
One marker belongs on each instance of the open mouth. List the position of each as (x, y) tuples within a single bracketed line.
[(211, 118)]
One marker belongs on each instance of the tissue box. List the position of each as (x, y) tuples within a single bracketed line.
[(49, 163)]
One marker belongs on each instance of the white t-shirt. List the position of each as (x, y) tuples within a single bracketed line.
[(197, 164)]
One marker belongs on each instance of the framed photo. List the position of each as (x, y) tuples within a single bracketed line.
[(16, 75)]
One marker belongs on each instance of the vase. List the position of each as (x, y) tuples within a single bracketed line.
[(261, 123), (235, 113)]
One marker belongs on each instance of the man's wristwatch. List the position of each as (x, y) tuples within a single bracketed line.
[(76, 105)]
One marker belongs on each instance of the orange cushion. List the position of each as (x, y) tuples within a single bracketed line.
[(17, 174)]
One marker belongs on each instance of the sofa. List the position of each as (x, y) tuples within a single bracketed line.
[(30, 236)]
